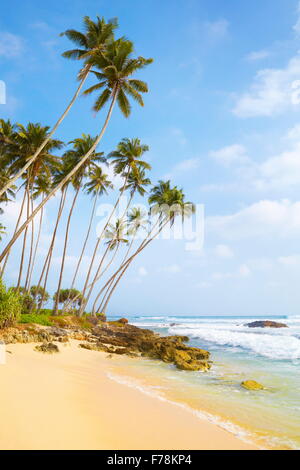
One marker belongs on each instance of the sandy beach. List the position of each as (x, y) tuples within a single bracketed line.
[(67, 401)]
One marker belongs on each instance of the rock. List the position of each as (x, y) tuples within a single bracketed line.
[(252, 385), (47, 348), (266, 324), (123, 320)]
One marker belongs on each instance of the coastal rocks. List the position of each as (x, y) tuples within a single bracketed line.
[(24, 334), (266, 324), (123, 320), (49, 348), (252, 385)]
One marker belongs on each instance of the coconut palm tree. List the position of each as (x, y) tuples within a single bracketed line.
[(71, 157), (26, 140), (172, 203), (97, 185), (126, 159), (41, 188), (137, 220), (91, 42), (115, 233), (116, 69)]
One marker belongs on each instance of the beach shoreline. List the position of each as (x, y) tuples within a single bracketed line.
[(69, 401)]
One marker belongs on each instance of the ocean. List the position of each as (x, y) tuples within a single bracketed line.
[(271, 417)]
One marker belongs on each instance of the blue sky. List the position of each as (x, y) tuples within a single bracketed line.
[(222, 120)]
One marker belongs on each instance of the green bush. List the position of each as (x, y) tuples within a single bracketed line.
[(10, 306), (33, 318)]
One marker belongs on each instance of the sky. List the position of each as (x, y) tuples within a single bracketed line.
[(222, 120)]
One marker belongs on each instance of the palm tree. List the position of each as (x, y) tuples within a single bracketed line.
[(97, 185), (137, 219), (126, 159), (93, 41), (80, 147), (172, 203), (26, 140), (116, 69), (115, 236), (41, 188)]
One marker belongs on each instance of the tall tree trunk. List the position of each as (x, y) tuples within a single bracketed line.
[(47, 262), (97, 246), (85, 241), (142, 246), (27, 286), (36, 244), (38, 151), (65, 180), (16, 228), (104, 270), (55, 309), (24, 241), (109, 286)]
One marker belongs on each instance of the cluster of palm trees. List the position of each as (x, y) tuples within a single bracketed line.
[(29, 165)]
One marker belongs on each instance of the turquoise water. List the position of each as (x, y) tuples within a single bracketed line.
[(271, 356)]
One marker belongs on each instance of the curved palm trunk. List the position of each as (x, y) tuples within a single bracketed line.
[(38, 151), (109, 286), (55, 309), (16, 228), (36, 245), (85, 301), (142, 246), (24, 241), (31, 246), (104, 270), (47, 262), (85, 242), (65, 180), (136, 252), (85, 287)]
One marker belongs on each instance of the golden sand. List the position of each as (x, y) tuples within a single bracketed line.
[(67, 401)]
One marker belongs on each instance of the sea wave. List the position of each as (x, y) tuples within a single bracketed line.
[(274, 346)]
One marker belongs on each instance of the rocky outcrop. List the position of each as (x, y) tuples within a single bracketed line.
[(252, 385), (266, 324), (49, 348), (118, 337)]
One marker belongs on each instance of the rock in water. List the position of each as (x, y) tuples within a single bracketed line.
[(266, 324), (49, 348), (252, 385)]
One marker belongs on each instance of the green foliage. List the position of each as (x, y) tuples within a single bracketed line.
[(10, 306), (34, 318)]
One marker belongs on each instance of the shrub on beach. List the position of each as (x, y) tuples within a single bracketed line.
[(10, 306)]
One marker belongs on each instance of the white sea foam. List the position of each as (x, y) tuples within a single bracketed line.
[(276, 346), (152, 392)]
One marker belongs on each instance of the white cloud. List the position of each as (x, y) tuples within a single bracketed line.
[(242, 272), (294, 133), (296, 26), (273, 91), (172, 269), (10, 45), (262, 219), (142, 271), (203, 285), (216, 30), (231, 154), (257, 55), (223, 251), (187, 165), (179, 135), (292, 260), (280, 171)]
